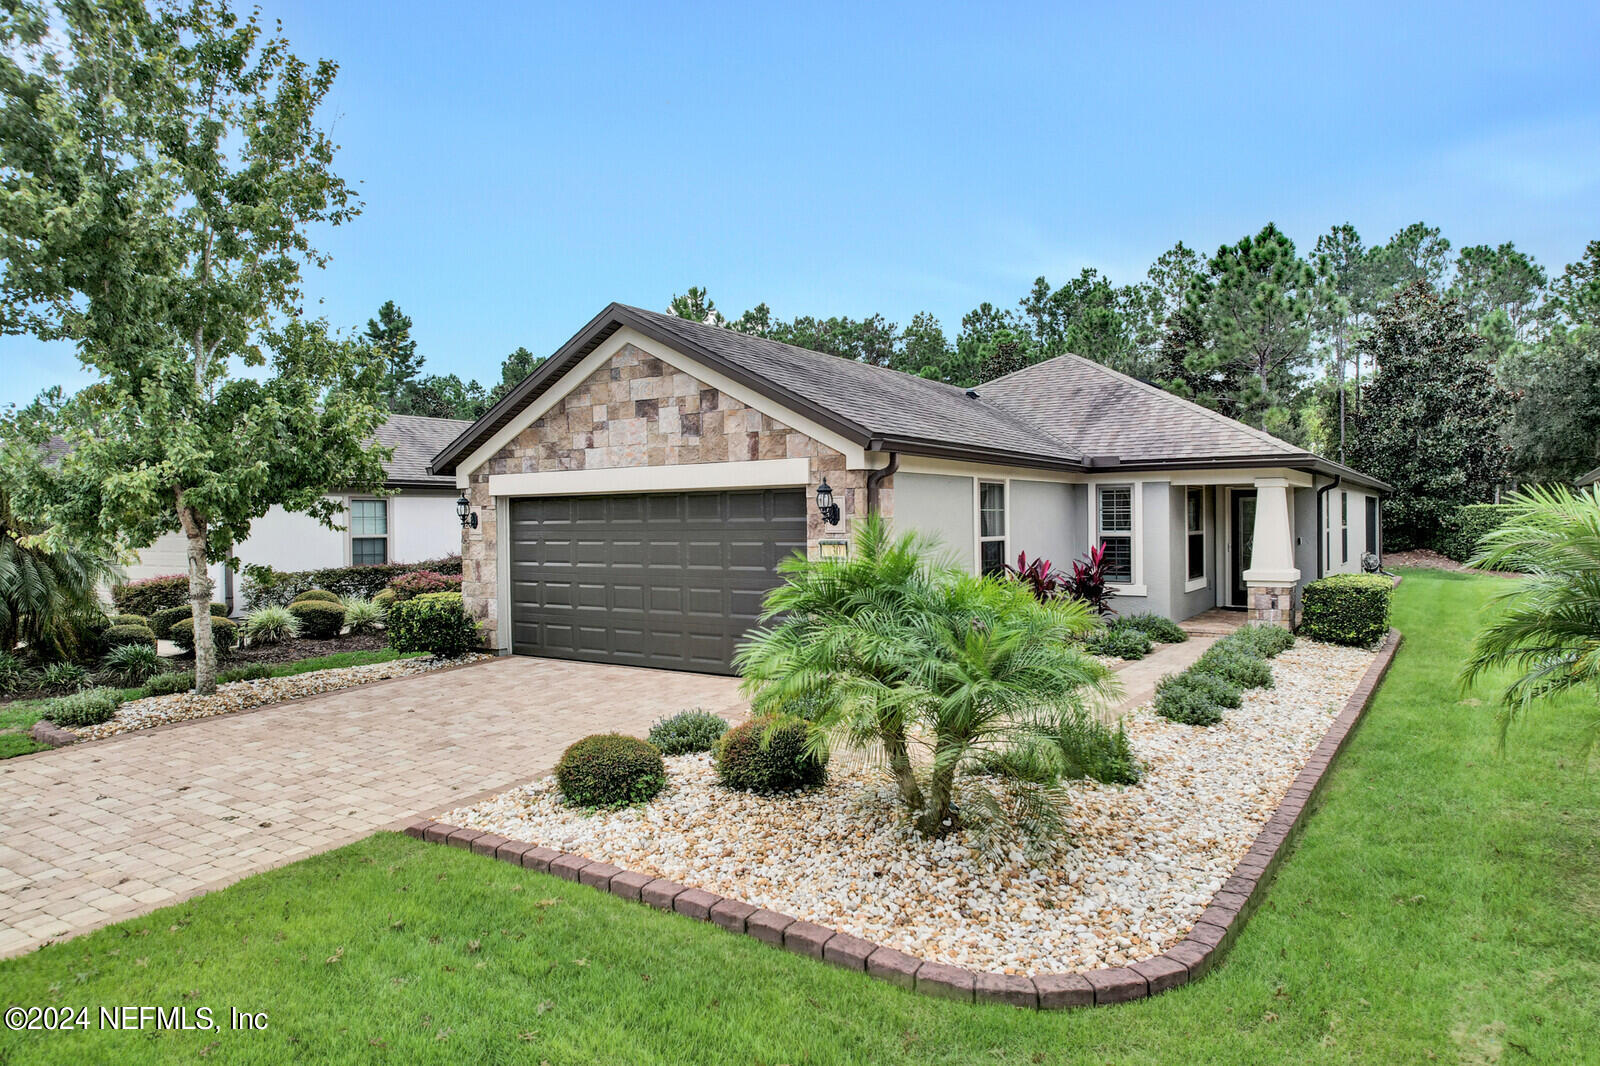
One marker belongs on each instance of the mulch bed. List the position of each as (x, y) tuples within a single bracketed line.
[(292, 651), (1423, 559)]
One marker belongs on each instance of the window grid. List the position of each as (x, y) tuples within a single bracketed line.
[(1114, 516), (369, 532), (991, 527), (1195, 524)]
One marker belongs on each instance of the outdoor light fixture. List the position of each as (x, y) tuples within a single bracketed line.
[(465, 513), (825, 505)]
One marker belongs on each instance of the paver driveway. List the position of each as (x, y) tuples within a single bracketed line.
[(99, 832)]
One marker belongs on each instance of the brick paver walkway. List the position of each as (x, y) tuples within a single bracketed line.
[(99, 832)]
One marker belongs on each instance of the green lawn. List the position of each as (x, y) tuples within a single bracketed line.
[(17, 718), (1443, 905)]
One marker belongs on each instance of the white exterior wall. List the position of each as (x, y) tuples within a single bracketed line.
[(1334, 561), (423, 525)]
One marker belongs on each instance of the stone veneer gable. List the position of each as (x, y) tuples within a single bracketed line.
[(634, 411)]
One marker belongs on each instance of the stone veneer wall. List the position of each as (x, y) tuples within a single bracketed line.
[(639, 411)]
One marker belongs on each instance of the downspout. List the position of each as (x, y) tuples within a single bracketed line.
[(1322, 532), (875, 479)]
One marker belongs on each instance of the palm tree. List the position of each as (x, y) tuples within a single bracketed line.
[(46, 594), (1547, 627), (973, 676)]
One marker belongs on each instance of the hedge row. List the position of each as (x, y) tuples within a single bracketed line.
[(151, 594), (1462, 530), (266, 587)]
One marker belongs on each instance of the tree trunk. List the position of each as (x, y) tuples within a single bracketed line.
[(897, 751), (200, 587), (938, 817)]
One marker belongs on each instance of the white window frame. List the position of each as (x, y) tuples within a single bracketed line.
[(1004, 539), (350, 536), (1344, 528), (1195, 584), (1136, 548)]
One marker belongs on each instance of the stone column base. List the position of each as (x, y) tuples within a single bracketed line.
[(1273, 604)]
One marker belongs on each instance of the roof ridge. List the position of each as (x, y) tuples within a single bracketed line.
[(1164, 394)]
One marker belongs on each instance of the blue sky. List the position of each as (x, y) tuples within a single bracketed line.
[(523, 165)]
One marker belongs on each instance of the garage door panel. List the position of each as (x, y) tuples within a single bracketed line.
[(652, 580)]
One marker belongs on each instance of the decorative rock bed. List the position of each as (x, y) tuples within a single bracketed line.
[(1142, 867), (242, 695)]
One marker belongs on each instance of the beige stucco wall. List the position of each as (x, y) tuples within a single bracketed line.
[(638, 411)]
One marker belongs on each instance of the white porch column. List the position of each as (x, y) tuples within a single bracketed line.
[(1272, 576)]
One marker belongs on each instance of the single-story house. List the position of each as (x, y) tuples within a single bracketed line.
[(418, 522), (633, 496)]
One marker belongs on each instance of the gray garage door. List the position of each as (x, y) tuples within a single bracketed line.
[(668, 581)]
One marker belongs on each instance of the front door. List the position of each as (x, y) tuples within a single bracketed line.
[(1242, 527)]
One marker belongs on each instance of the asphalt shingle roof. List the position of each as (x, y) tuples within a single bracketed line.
[(416, 439)]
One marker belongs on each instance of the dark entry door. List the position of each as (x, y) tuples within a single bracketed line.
[(1242, 524), (670, 580)]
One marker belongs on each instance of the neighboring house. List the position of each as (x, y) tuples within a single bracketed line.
[(634, 495), (417, 523)]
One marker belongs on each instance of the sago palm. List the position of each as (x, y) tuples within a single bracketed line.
[(1547, 626)]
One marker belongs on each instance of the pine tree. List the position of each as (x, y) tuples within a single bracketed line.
[(390, 334)]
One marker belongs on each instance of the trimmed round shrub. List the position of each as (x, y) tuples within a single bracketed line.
[(316, 594), (1157, 627), (363, 615), (130, 620), (1347, 609), (319, 619), (1267, 641), (1120, 643), (385, 599), (119, 635), (59, 676), (169, 683), (131, 664), (610, 770), (421, 582), (1236, 665), (766, 755), (1179, 700), (271, 625), (435, 622), (161, 622), (687, 732), (224, 633), (89, 707)]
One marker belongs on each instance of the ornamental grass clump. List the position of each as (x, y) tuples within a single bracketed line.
[(14, 674), (897, 652), (687, 732), (363, 615), (63, 677), (770, 754), (610, 770), (131, 664), (271, 625)]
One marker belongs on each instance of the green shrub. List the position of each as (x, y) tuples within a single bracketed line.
[(116, 636), (1236, 664), (610, 770), (247, 672), (14, 674), (89, 707), (316, 594), (687, 732), (436, 623), (266, 587), (169, 683), (130, 620), (63, 676), (362, 615), (1267, 641), (1215, 687), (768, 755), (224, 633), (271, 625), (1158, 628), (1177, 700), (385, 599), (1119, 643), (1347, 609), (162, 621), (1461, 530), (131, 664), (319, 619), (151, 594), (420, 582), (1089, 748)]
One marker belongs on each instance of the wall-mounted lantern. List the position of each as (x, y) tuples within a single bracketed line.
[(825, 505), (464, 512)]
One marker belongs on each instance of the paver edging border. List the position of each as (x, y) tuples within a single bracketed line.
[(1208, 941)]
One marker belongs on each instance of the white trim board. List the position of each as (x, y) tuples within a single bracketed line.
[(683, 477), (855, 455)]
